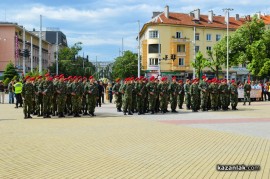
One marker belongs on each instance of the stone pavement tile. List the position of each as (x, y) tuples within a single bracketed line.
[(122, 148)]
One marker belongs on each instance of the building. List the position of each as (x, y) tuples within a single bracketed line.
[(11, 48), (175, 38)]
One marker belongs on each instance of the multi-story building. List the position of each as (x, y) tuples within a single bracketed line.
[(175, 38), (11, 48)]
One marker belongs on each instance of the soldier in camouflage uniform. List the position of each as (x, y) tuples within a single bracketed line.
[(117, 95), (213, 90), (84, 103), (195, 95), (68, 100), (76, 96), (233, 94), (28, 94), (38, 97), (181, 94), (163, 94), (152, 90), (173, 90), (61, 90), (127, 98), (145, 97), (203, 87), (134, 95), (223, 91), (140, 89), (54, 97), (46, 88), (187, 94), (91, 91), (157, 103), (247, 89)]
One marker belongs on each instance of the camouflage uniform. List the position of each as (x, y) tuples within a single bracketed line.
[(187, 95), (173, 89), (163, 96), (46, 88), (127, 98), (61, 90), (76, 97), (234, 96), (181, 95), (38, 99), (213, 90), (140, 89), (195, 97), (54, 97), (247, 89), (91, 91), (134, 96), (117, 96), (151, 90), (224, 91), (68, 100), (203, 87), (28, 93)]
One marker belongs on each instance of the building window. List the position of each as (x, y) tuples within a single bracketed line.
[(178, 35), (208, 37), (181, 61), (197, 49), (181, 48), (197, 36), (208, 48), (153, 34), (153, 61), (218, 37), (153, 48)]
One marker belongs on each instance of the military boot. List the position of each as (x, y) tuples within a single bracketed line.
[(29, 116), (25, 116)]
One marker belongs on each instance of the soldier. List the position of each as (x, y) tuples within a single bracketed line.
[(84, 103), (247, 89), (145, 97), (163, 94), (68, 100), (140, 89), (134, 95), (224, 91), (181, 94), (46, 88), (187, 94), (195, 95), (127, 98), (76, 96), (213, 90), (157, 103), (38, 97), (54, 97), (151, 90), (91, 91), (234, 94), (203, 87), (117, 94), (61, 90), (173, 90), (28, 92)]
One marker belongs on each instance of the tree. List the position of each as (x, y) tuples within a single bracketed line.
[(69, 53), (10, 71), (125, 66), (216, 61), (200, 63)]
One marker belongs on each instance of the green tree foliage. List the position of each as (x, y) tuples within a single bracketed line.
[(10, 71), (216, 60), (125, 66), (69, 53), (200, 63), (250, 44)]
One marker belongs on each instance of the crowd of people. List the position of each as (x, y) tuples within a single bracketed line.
[(59, 96)]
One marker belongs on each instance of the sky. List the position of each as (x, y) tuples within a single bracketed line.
[(101, 25)]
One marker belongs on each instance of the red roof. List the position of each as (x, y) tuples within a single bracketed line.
[(186, 19)]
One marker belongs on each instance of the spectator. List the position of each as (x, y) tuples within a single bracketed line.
[(100, 93), (11, 92), (2, 92)]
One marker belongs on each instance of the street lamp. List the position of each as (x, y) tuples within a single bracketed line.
[(227, 12)]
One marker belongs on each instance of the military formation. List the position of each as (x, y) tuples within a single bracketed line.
[(140, 95), (59, 96)]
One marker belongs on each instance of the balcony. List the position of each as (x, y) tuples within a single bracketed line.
[(180, 40)]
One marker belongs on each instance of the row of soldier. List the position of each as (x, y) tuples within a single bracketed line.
[(59, 96), (139, 95)]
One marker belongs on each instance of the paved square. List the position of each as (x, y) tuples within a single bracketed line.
[(111, 145)]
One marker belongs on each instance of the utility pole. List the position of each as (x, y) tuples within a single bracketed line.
[(24, 51), (122, 46), (56, 54), (139, 48), (40, 47), (31, 53)]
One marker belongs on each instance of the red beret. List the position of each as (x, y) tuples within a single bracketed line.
[(180, 81), (233, 81), (152, 78), (174, 78), (117, 79), (203, 77), (91, 77), (33, 78), (47, 74)]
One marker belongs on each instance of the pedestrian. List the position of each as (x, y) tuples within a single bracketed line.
[(203, 87), (100, 93), (163, 94), (213, 90), (117, 94), (233, 94), (187, 94), (2, 92), (127, 98), (181, 94), (61, 90), (11, 92), (76, 96), (247, 90), (91, 91), (195, 95), (151, 90), (18, 90), (109, 87), (173, 90)]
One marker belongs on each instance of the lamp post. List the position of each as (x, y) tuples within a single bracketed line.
[(23, 50), (40, 47), (56, 51), (227, 10), (139, 46)]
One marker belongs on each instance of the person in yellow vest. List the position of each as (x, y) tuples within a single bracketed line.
[(18, 90)]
